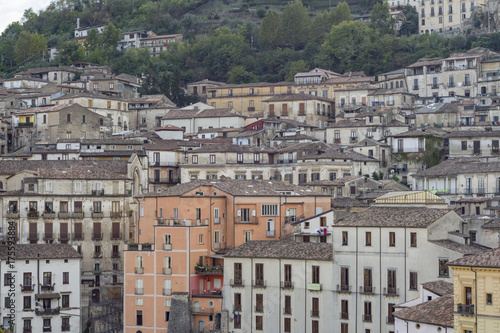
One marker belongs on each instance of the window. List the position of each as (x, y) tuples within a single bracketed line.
[(65, 301), (239, 157), (392, 239), (390, 311), (259, 303), (237, 307), (248, 235), (322, 221), (65, 277), (78, 231), (47, 325), (345, 238), (68, 118), (167, 315), (489, 299), (245, 215), (344, 309), (367, 317), (212, 159), (195, 159), (368, 238), (26, 302), (258, 323), (237, 273), (259, 274), (413, 239), (391, 281), (287, 324), (138, 318), (288, 305), (344, 278), (443, 268), (315, 307), (47, 279), (344, 328), (315, 274), (111, 86), (367, 280), (269, 210)]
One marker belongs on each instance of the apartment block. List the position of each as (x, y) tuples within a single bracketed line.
[(183, 232), (46, 283)]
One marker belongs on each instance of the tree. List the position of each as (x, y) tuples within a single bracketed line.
[(296, 67), (69, 52), (295, 24), (381, 19), (323, 22), (110, 36), (410, 25), (238, 75), (270, 30), (30, 47)]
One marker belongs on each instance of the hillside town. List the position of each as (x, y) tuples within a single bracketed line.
[(335, 201)]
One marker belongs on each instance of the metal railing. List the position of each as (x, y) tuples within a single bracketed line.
[(139, 291), (236, 282), (465, 308)]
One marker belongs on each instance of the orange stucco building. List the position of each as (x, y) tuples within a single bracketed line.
[(183, 232)]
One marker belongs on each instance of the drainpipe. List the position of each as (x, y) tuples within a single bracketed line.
[(475, 296), (356, 303)]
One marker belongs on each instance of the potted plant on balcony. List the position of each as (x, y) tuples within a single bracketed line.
[(199, 268), (146, 246), (130, 212), (133, 246)]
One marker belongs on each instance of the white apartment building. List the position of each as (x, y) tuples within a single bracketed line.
[(379, 256), (46, 283), (315, 229), (279, 286)]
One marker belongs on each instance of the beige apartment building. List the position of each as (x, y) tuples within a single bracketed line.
[(442, 16)]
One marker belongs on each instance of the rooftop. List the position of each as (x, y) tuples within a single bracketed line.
[(437, 312), (490, 259), (439, 287), (39, 251), (283, 250)]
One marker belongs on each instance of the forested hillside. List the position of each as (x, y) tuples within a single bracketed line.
[(225, 40)]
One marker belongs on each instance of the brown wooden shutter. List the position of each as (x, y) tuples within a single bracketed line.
[(78, 231)]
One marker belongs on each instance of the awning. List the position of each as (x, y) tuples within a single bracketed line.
[(216, 256), (48, 295)]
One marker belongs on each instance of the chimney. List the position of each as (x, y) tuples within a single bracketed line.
[(78, 23)]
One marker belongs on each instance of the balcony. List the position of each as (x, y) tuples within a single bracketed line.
[(366, 290), (259, 283), (48, 236), (46, 312), (97, 236), (209, 270), (97, 272), (270, 233), (115, 236), (344, 315), (202, 310), (27, 329), (167, 270), (162, 164), (97, 255), (47, 329), (64, 237), (115, 254), (78, 215), (465, 309), (343, 288), (415, 87), (287, 285), (315, 313), (33, 214), (367, 318), (251, 108), (434, 86), (13, 215), (139, 270), (116, 214), (97, 215), (65, 328), (97, 192), (164, 180), (353, 139), (26, 288), (167, 292), (78, 237), (259, 308), (49, 215), (391, 291), (33, 236), (287, 311), (206, 292), (216, 246), (236, 283), (389, 320), (167, 247), (25, 124), (139, 291)]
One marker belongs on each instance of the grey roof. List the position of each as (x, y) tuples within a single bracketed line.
[(283, 250), (230, 148), (13, 167), (240, 188), (333, 153), (439, 287), (394, 217), (457, 166), (474, 134), (439, 108), (297, 97), (465, 249), (437, 312), (40, 251), (489, 258)]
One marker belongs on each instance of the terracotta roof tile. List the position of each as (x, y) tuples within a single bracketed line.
[(437, 312), (283, 250), (439, 287), (40, 251), (489, 258)]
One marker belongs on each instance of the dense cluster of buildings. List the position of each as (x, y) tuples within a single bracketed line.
[(335, 202)]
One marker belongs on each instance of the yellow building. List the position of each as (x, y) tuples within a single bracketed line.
[(477, 292), (246, 98)]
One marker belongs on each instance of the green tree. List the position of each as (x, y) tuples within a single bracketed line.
[(270, 30), (93, 40), (295, 24), (381, 19), (296, 67), (69, 52), (30, 47), (410, 25), (238, 75), (322, 23), (110, 36)]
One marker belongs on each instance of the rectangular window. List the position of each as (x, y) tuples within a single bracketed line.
[(368, 238), (237, 273), (344, 309), (344, 328), (345, 238), (138, 318), (65, 301), (259, 303), (239, 157), (65, 277), (344, 278), (367, 317), (392, 239), (78, 231), (489, 299), (259, 274), (212, 159), (413, 281), (269, 210), (315, 274), (195, 159), (288, 276), (258, 323), (27, 303), (391, 281), (443, 268), (287, 325), (413, 239)]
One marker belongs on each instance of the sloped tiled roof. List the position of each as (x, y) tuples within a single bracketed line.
[(457, 166), (40, 251), (439, 287), (396, 217), (297, 97), (283, 250), (465, 249), (489, 258), (15, 166), (438, 312)]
